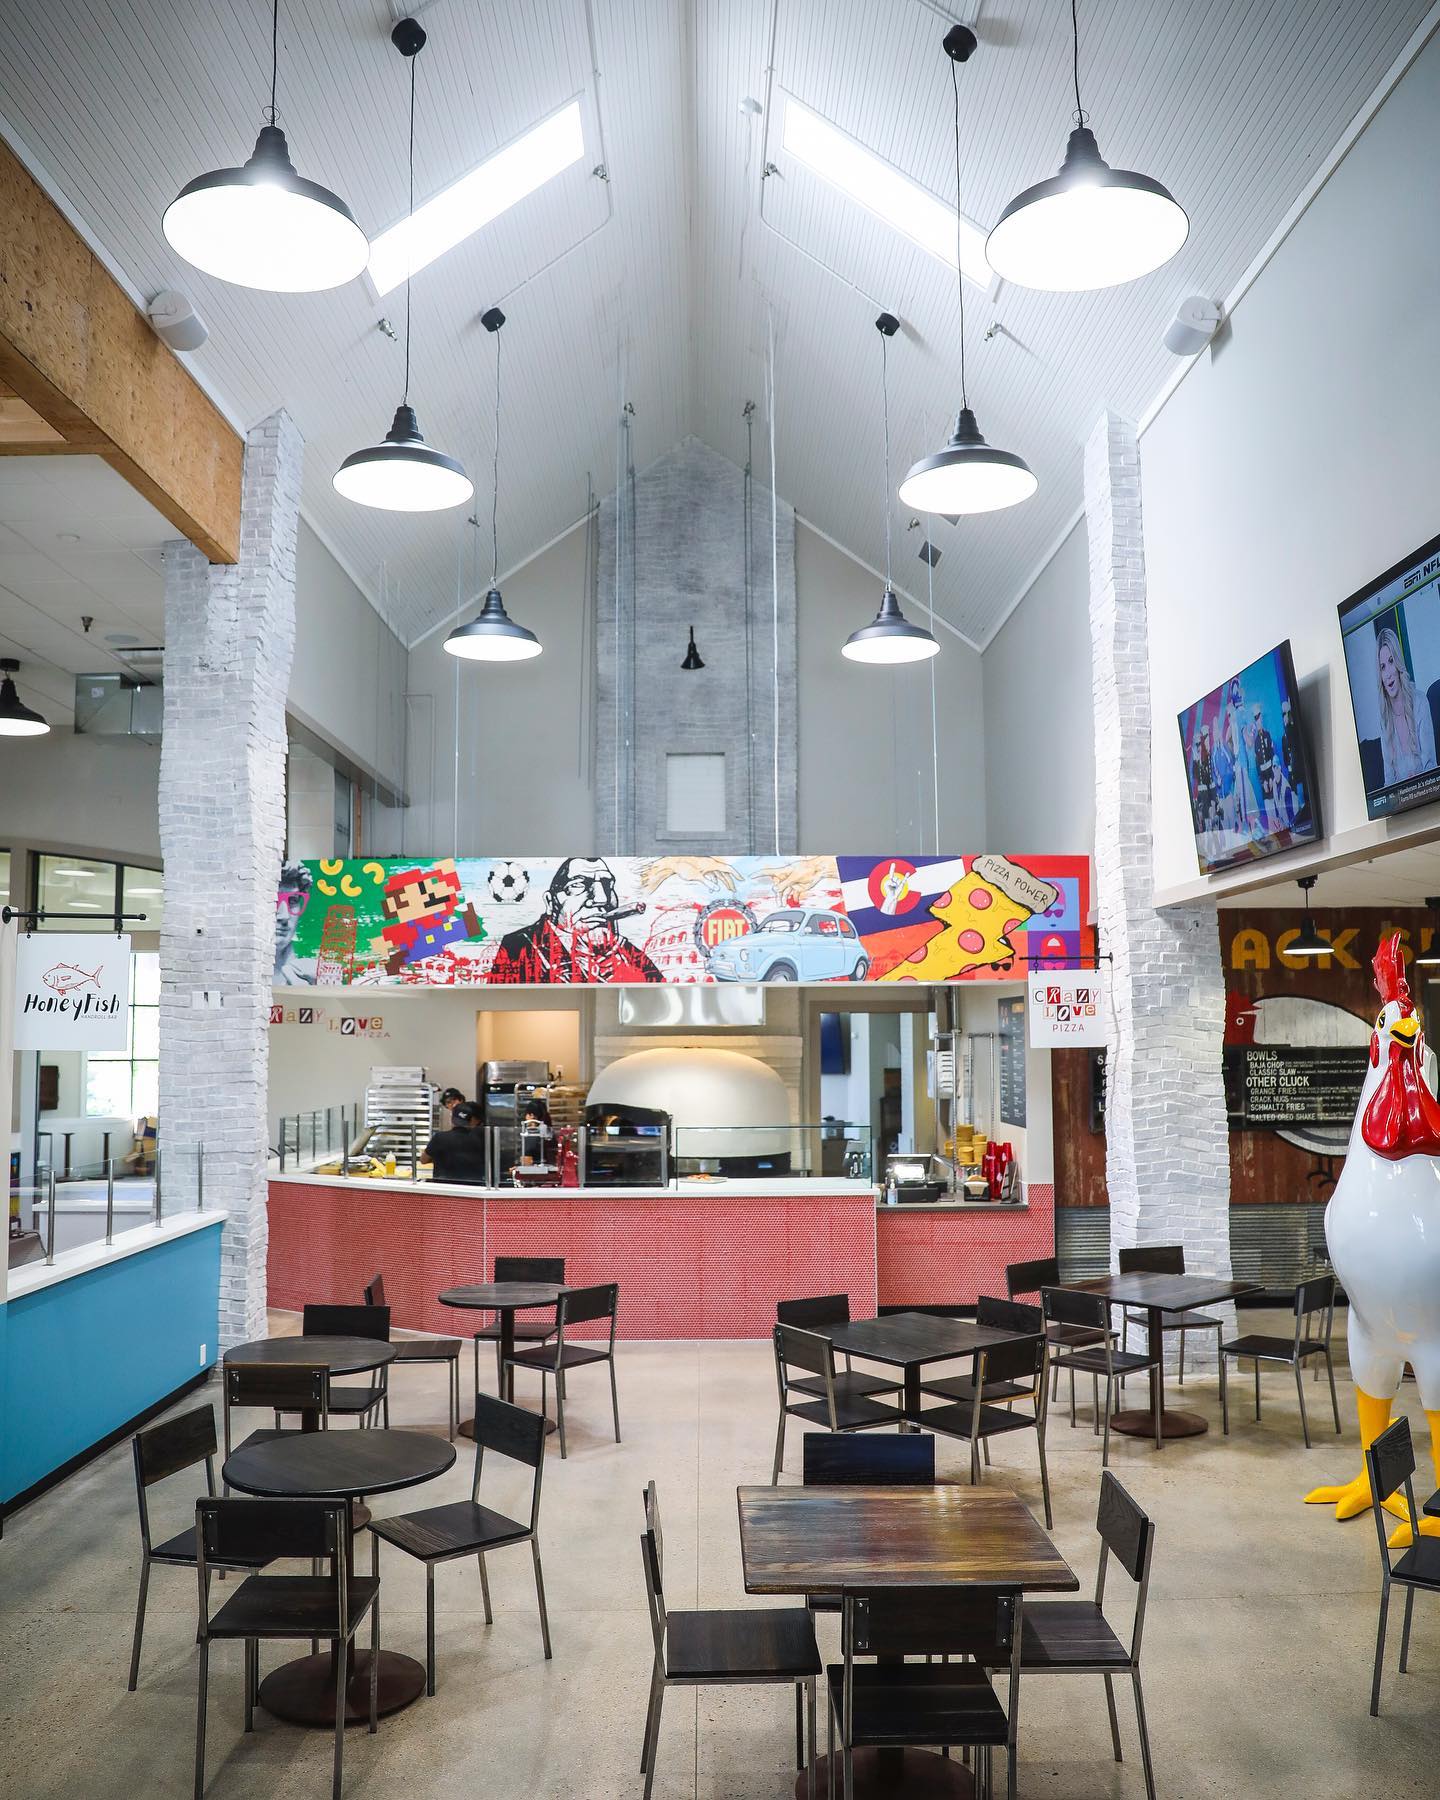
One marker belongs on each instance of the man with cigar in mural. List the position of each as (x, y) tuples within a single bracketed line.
[(575, 938)]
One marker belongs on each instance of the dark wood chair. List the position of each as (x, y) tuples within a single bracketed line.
[(1032, 1278), (277, 1388), (412, 1350), (1390, 1461), (1073, 1637), (815, 1314), (1003, 1315), (893, 1704), (1068, 1306), (1314, 1300), (815, 1355), (1164, 1259), (466, 1528), (577, 1306), (1001, 1368), (527, 1331), (328, 1605), (365, 1404), (745, 1647), (160, 1451)]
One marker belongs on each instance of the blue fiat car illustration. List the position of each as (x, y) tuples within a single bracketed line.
[(793, 945)]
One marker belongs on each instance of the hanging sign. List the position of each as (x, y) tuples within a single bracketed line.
[(72, 991), (1067, 1006)]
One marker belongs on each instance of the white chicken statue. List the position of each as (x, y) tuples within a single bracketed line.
[(1383, 1229)]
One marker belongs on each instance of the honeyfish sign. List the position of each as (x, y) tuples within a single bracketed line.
[(72, 991), (1067, 1006)]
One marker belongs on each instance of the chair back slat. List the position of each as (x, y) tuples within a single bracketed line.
[(174, 1444), (1030, 1277), (1152, 1259), (530, 1268), (375, 1291), (804, 1350), (1391, 1459), (651, 1499), (512, 1431), (1008, 1315), (816, 1312), (868, 1460), (280, 1387), (1315, 1295), (953, 1621), (324, 1320), (1125, 1530), (579, 1304), (1068, 1306), (1020, 1361), (236, 1530)]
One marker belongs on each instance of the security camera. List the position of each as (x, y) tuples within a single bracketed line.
[(1196, 321), (176, 321)]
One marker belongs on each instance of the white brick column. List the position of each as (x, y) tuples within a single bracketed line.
[(229, 638), (1167, 1151)]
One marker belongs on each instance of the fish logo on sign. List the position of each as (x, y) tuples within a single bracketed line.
[(65, 978)]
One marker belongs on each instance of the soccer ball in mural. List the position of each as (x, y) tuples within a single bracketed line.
[(508, 882)]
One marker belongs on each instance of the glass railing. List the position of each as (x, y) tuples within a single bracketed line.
[(306, 1139), (773, 1152), (92, 1203)]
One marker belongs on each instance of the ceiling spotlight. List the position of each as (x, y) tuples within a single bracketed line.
[(16, 719), (1308, 941), (262, 225)]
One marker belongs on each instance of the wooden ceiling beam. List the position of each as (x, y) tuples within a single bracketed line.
[(77, 354)]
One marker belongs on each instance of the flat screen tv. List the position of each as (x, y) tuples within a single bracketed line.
[(1391, 634), (1248, 766)]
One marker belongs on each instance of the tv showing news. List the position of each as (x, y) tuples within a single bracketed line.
[(1248, 766), (1391, 633)]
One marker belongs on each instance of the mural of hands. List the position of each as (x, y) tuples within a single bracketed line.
[(713, 872), (795, 880)]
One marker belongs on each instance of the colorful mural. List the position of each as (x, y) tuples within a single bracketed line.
[(595, 921)]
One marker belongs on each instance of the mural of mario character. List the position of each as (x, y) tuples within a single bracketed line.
[(574, 939), (427, 911)]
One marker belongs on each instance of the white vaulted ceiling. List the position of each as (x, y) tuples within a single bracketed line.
[(661, 284)]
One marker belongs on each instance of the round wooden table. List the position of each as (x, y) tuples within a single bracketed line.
[(505, 1298), (340, 1355), (339, 1465)]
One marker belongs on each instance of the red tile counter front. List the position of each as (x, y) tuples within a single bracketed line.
[(949, 1256), (708, 1266)]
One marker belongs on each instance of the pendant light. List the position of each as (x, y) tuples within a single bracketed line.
[(1308, 941), (16, 718), (1090, 226), (493, 636), (402, 473), (966, 475), (262, 225), (889, 637), (692, 655), (1430, 959)]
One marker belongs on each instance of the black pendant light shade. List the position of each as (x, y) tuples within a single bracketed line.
[(692, 655), (16, 719), (402, 473), (889, 637), (1308, 941), (967, 475), (263, 225), (493, 636)]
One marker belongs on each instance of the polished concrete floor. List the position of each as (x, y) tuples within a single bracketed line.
[(1257, 1647)]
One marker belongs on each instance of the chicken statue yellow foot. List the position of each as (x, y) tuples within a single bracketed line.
[(1382, 1227)]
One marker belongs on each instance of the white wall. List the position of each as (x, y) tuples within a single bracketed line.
[(314, 1066), (1039, 723), (63, 792), (1300, 459)]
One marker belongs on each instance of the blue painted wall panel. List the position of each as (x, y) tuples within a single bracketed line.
[(81, 1357)]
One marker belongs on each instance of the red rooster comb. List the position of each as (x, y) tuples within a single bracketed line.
[(1389, 967)]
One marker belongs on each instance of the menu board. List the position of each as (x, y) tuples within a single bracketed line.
[(1270, 1086), (1012, 1061)]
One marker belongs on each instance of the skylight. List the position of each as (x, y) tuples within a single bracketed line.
[(881, 189), (475, 199)]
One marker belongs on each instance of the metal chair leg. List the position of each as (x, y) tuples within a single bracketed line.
[(1334, 1403), (1144, 1736), (1044, 1479), (540, 1596), (1072, 1399), (202, 1695), (1379, 1651), (429, 1628), (1405, 1631), (1300, 1390), (1257, 1388), (1224, 1396), (342, 1669), (1114, 1716), (485, 1589), (1155, 1401), (250, 1648), (139, 1623), (657, 1700), (779, 1450), (1109, 1408), (799, 1724), (810, 1721), (560, 1408), (614, 1398), (1181, 1380), (829, 1746)]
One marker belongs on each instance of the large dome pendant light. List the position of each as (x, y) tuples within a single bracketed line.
[(889, 637), (966, 475), (262, 225), (493, 636), (1090, 226), (16, 718), (402, 473)]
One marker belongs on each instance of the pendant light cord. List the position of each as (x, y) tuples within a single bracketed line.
[(495, 480), (410, 214), (1075, 59), (959, 273), (274, 54), (885, 392)]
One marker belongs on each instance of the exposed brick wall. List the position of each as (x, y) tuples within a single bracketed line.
[(229, 638), (1167, 1148)]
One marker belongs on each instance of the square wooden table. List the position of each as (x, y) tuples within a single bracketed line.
[(833, 1540), (1157, 1295), (909, 1340)]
